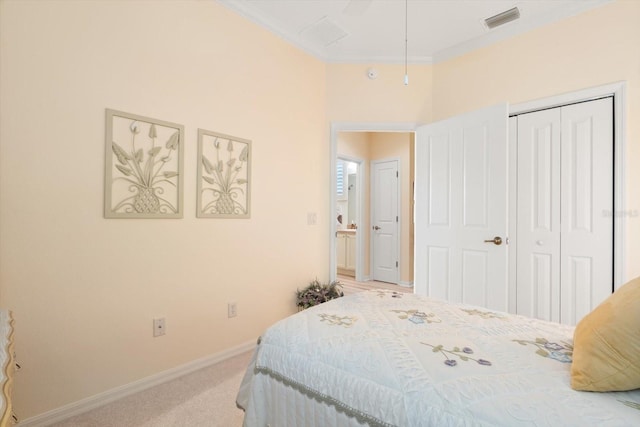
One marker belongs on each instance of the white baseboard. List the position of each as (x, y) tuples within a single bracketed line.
[(101, 399)]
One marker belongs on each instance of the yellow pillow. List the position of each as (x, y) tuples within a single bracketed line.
[(606, 344)]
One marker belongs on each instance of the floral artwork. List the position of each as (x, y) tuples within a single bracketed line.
[(463, 354), (560, 352), (224, 173), (143, 174)]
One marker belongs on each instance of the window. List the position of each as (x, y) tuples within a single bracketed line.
[(340, 178)]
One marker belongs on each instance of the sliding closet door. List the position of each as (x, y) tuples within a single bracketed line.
[(587, 207), (538, 219)]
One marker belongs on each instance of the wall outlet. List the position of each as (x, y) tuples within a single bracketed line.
[(159, 327), (232, 309)]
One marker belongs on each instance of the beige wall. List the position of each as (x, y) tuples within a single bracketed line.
[(592, 49), (84, 289), (353, 97)]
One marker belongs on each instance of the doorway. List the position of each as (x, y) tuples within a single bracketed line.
[(370, 138)]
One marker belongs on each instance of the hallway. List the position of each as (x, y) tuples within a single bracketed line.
[(351, 286)]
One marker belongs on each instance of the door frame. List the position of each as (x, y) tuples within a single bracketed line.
[(620, 214), (336, 128), (398, 247), (359, 204)]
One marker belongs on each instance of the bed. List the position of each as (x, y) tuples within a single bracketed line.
[(382, 358)]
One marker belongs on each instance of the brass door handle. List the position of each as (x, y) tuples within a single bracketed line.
[(496, 241), (375, 227)]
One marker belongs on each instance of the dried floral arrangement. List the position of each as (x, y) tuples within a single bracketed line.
[(317, 293)]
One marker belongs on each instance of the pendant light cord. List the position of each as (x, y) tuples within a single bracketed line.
[(406, 25)]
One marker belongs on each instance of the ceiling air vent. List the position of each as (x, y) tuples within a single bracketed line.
[(324, 32), (502, 18)]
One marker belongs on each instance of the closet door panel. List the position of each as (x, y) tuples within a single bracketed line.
[(580, 177), (543, 291), (587, 206), (577, 300), (538, 205)]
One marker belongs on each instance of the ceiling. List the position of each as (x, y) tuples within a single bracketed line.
[(354, 31)]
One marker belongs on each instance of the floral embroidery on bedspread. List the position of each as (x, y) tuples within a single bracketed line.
[(560, 352), (383, 293), (334, 319), (417, 316), (462, 354), (630, 404), (483, 314)]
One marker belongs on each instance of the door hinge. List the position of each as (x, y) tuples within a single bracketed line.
[(396, 264), (396, 174), (396, 218)]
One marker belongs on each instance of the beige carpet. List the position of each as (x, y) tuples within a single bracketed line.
[(205, 398)]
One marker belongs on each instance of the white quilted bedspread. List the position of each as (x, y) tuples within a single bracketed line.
[(388, 359)]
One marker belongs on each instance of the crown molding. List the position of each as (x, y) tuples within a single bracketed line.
[(522, 25)]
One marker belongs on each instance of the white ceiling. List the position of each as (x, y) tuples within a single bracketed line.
[(357, 31)]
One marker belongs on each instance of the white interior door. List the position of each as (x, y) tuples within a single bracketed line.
[(384, 220), (461, 202)]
